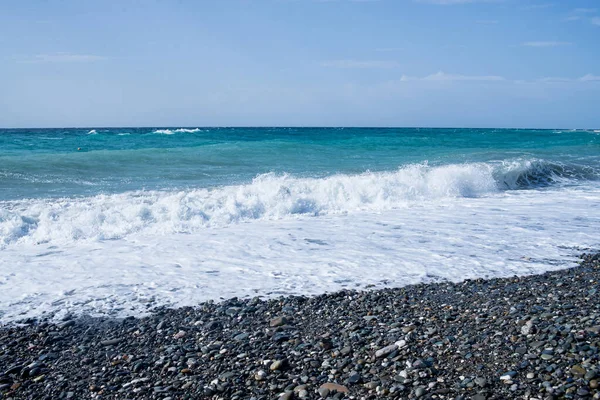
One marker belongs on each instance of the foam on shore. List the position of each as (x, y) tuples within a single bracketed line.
[(158, 249)]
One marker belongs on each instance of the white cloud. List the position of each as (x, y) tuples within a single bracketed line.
[(442, 76), (546, 44), (555, 79), (359, 64), (583, 14), (590, 78), (585, 78), (66, 58)]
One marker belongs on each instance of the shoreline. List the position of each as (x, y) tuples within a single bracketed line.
[(532, 337)]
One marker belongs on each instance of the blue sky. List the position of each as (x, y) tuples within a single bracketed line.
[(476, 63)]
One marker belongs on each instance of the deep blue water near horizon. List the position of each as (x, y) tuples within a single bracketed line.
[(40, 163)]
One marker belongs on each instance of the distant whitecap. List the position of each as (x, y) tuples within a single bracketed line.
[(180, 130)]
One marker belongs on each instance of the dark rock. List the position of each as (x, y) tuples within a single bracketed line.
[(15, 369), (111, 342), (213, 325), (280, 337), (279, 321), (354, 379)]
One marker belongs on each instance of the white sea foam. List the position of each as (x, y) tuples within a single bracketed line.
[(279, 235), (164, 131), (174, 131), (92, 132)]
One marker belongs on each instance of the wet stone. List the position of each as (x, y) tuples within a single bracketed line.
[(278, 365), (227, 375), (385, 351), (508, 376), (280, 337), (287, 395), (334, 387), (324, 392), (15, 369), (354, 379), (241, 336), (279, 321), (111, 342), (578, 371), (590, 375), (481, 382), (213, 325), (583, 392)]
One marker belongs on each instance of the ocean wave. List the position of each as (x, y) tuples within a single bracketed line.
[(174, 131), (49, 138), (531, 174), (268, 196), (92, 132)]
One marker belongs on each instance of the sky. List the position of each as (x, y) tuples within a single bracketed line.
[(434, 63)]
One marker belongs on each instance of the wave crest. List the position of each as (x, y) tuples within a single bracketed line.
[(174, 131), (529, 174), (268, 196)]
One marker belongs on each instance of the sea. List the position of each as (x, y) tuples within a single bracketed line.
[(117, 221)]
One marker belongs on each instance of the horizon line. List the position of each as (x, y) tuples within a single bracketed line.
[(292, 127)]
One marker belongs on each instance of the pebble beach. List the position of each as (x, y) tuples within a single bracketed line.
[(534, 337)]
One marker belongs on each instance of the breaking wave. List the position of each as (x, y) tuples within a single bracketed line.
[(174, 131), (531, 174), (268, 196)]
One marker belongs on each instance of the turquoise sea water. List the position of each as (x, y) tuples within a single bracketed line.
[(37, 163), (115, 221)]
